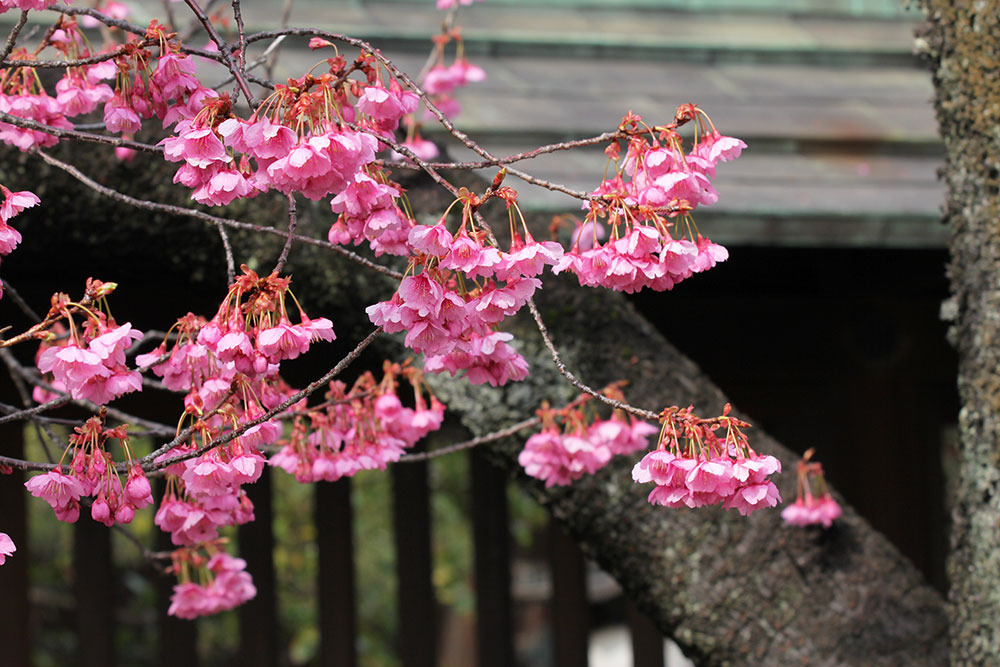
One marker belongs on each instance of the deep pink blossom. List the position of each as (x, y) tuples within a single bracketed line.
[(55, 488)]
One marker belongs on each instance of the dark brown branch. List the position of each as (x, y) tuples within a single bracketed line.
[(292, 219), (76, 134), (227, 55), (12, 37)]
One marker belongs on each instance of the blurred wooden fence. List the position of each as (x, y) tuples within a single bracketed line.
[(419, 633)]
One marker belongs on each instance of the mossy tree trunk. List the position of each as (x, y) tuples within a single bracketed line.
[(962, 41), (731, 590)]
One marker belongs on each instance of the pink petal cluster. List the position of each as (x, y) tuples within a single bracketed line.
[(92, 366), (317, 164), (194, 520), (693, 467), (25, 5), (208, 355), (80, 91), (6, 547), (813, 502), (683, 481), (169, 91), (227, 368), (822, 510), (38, 107), (230, 586), (387, 107), (61, 492), (641, 259), (363, 429), (561, 456), (93, 473), (455, 327), (441, 82), (12, 204), (654, 184)]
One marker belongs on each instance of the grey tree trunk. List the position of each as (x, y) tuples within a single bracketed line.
[(962, 42), (731, 590)]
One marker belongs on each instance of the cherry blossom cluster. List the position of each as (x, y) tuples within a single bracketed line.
[(298, 141), (364, 428), (228, 369), (208, 584), (459, 288), (441, 80), (12, 204), (575, 441), (693, 466), (653, 183), (25, 5), (92, 472), (813, 503), (89, 360), (80, 90)]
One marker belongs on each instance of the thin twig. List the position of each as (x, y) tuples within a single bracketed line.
[(230, 262), (122, 24), (557, 359), (241, 54), (77, 62), (224, 50), (76, 134), (200, 215), (272, 62), (154, 558), (26, 413), (22, 391), (12, 37), (16, 297), (292, 217), (517, 157), (475, 442)]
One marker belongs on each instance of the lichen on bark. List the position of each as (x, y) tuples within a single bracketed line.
[(962, 43)]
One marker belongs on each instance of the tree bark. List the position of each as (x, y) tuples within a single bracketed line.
[(730, 590), (962, 42)]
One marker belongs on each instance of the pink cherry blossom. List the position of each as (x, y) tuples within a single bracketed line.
[(15, 202), (6, 547), (55, 488)]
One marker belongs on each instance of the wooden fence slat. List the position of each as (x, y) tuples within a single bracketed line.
[(94, 587), (259, 628), (647, 642), (491, 539), (415, 602), (570, 608), (15, 629), (335, 582)]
